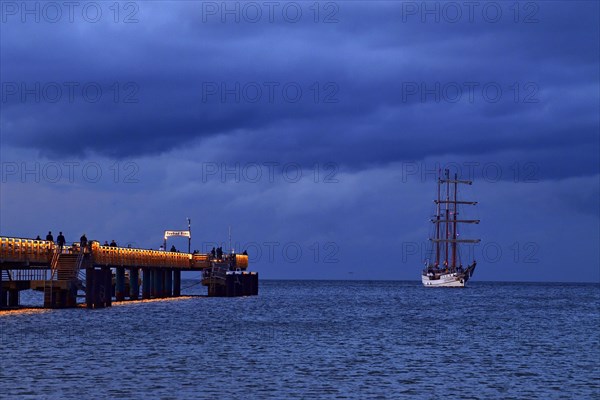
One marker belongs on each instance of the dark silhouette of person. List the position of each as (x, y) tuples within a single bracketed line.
[(213, 253), (173, 249), (83, 242), (49, 237), (60, 240), (219, 252), (106, 243), (245, 253), (38, 237), (113, 243)]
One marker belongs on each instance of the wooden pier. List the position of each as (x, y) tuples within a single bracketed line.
[(105, 272)]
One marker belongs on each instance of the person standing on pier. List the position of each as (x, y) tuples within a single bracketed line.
[(83, 242), (49, 237), (113, 243), (61, 241)]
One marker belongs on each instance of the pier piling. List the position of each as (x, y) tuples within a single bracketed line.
[(98, 292), (169, 283), (158, 283), (13, 298), (120, 284), (146, 281), (176, 283), (134, 286)]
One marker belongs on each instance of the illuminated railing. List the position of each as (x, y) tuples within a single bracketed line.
[(25, 250), (241, 261), (41, 251), (126, 257), (204, 260), (200, 260)]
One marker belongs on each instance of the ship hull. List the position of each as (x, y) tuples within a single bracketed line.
[(446, 280), (453, 279)]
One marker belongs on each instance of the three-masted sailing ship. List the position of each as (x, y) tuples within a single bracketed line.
[(446, 270)]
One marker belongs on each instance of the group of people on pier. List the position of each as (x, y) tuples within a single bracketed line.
[(217, 253), (83, 245), (60, 240)]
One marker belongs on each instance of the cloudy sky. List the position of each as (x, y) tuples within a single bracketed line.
[(313, 129)]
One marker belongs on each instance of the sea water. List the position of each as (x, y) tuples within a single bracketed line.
[(314, 339)]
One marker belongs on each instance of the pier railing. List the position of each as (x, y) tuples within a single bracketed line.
[(45, 253), (25, 250), (25, 275), (120, 256)]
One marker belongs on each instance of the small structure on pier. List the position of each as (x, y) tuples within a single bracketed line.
[(61, 272)]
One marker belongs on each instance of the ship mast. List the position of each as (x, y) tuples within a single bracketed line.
[(447, 214), (454, 223), (450, 224), (437, 225)]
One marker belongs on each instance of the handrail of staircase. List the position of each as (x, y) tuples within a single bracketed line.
[(78, 265), (54, 263)]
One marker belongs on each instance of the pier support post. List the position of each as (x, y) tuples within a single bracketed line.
[(107, 287), (120, 284), (153, 283), (61, 298), (98, 289), (176, 283), (134, 287), (71, 294), (158, 284), (169, 283), (13, 298), (2, 293), (103, 285), (3, 302), (146, 283), (89, 287)]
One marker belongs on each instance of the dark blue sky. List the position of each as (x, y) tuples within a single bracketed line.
[(311, 130)]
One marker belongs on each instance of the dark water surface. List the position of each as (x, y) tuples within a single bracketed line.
[(315, 339)]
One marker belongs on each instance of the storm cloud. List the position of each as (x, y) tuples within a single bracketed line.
[(374, 93)]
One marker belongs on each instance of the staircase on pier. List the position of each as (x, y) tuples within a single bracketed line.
[(65, 280)]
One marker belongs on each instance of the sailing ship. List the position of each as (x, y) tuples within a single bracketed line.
[(446, 270)]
